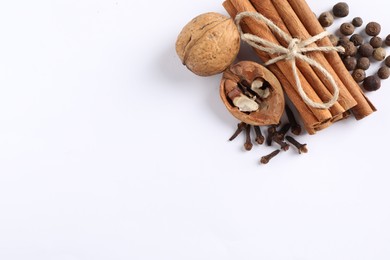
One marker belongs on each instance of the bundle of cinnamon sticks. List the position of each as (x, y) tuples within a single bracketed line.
[(296, 18)]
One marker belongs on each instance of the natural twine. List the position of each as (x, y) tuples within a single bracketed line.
[(296, 50)]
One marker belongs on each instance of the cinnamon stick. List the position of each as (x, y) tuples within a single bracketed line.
[(364, 107), (322, 87), (309, 118), (260, 28), (281, 13)]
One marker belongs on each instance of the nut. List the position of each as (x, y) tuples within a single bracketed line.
[(246, 83), (208, 44)]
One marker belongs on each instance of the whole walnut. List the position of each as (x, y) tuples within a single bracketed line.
[(208, 44)]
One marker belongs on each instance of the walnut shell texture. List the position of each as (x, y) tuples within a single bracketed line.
[(208, 44), (270, 109)]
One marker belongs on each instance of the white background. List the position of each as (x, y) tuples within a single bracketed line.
[(111, 149)]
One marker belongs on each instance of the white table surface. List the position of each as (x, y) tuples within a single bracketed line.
[(111, 149)]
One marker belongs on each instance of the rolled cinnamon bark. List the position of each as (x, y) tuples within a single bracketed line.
[(281, 13), (364, 107), (260, 28), (322, 87), (313, 119)]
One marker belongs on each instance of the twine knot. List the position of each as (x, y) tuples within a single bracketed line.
[(296, 50), (293, 49)]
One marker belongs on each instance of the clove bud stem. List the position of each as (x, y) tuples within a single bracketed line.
[(265, 159), (302, 148)]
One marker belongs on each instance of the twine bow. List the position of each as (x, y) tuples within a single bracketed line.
[(295, 50)]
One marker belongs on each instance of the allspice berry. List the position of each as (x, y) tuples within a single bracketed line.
[(372, 83), (376, 42), (357, 21), (334, 39), (379, 54), (357, 39), (359, 75), (341, 9), (208, 44), (387, 61), (350, 63), (366, 50), (384, 72), (326, 19), (387, 40), (350, 49), (373, 28), (363, 63), (347, 28)]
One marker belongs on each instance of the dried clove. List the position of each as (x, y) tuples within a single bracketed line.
[(240, 127), (265, 159), (302, 148), (259, 136), (248, 143), (295, 127), (283, 131), (271, 131), (283, 145)]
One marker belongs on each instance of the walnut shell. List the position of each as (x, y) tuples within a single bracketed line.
[(270, 108), (208, 44)]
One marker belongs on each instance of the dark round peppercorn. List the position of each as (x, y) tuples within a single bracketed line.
[(350, 63), (372, 83), (387, 61), (376, 42), (326, 19), (359, 75), (366, 50), (357, 39), (363, 63), (387, 40), (350, 49), (379, 54), (347, 29), (357, 21), (341, 9), (373, 28), (384, 72)]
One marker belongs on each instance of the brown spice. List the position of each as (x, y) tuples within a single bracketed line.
[(265, 159), (341, 9), (376, 42), (359, 75), (259, 136), (357, 39), (372, 83), (334, 39), (350, 49), (387, 40), (384, 72), (240, 127), (373, 28), (302, 148), (379, 54), (347, 28), (357, 21), (363, 63), (350, 63), (387, 61), (366, 50), (248, 143), (326, 19)]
